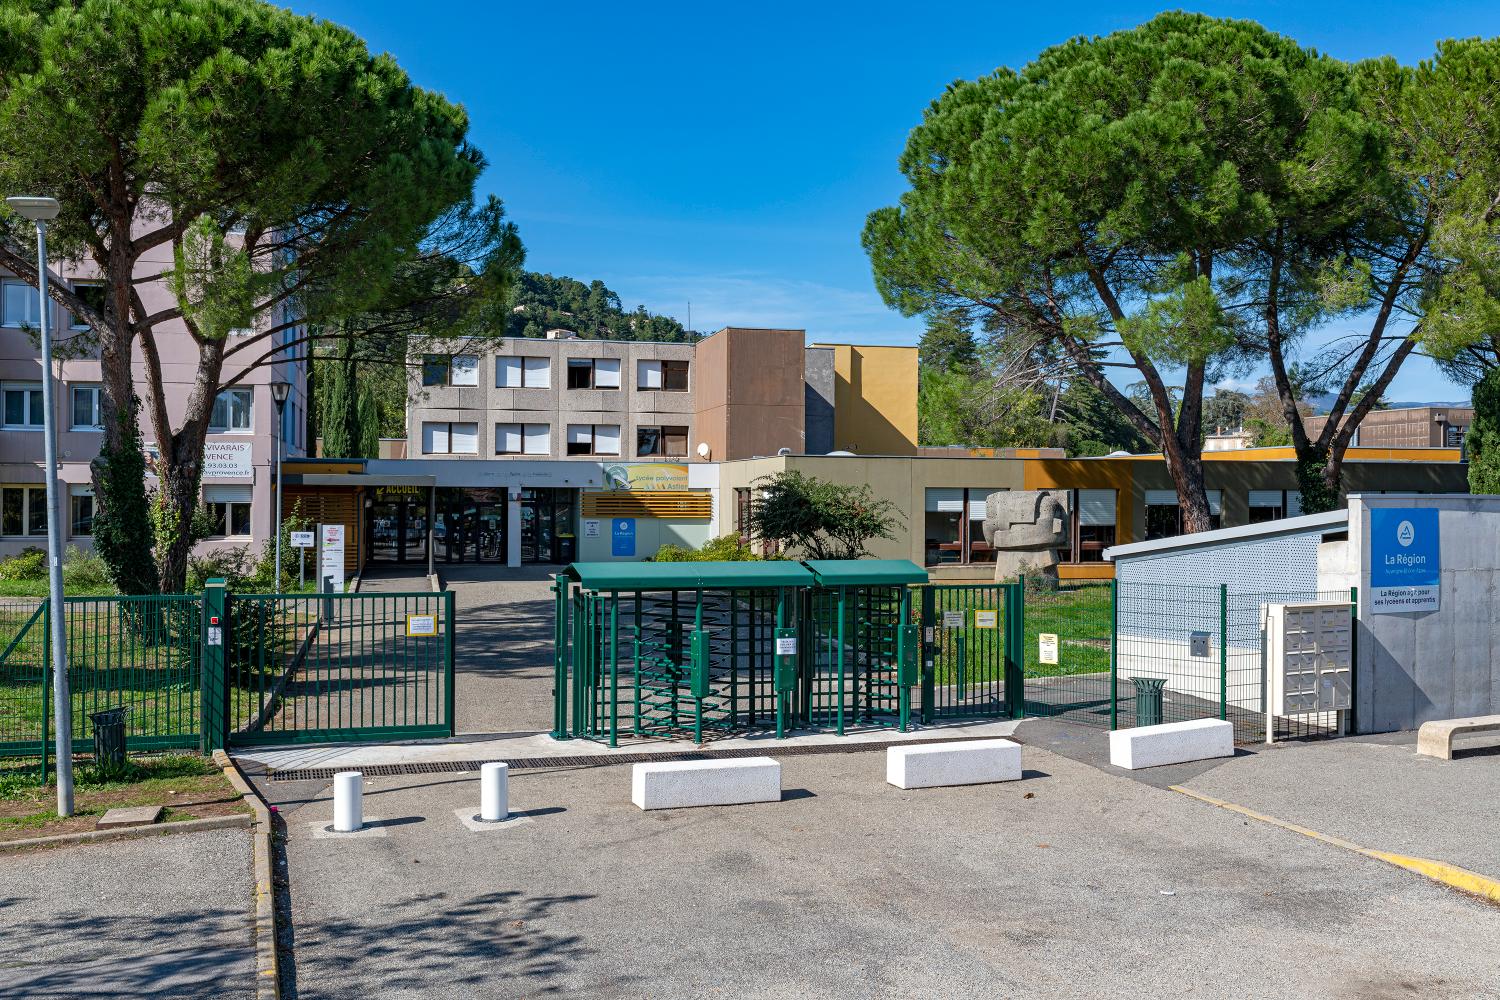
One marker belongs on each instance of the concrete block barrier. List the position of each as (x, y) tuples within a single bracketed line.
[(678, 784), (974, 762), (1171, 743)]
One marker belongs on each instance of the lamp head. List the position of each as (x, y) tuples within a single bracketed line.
[(35, 209), (280, 391)]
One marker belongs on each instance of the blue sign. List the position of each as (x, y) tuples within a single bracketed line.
[(622, 537), (1405, 559)]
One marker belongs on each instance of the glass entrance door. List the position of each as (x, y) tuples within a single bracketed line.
[(547, 531), (398, 528)]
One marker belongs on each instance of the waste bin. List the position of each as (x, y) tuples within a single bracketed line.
[(1148, 700), (109, 738)]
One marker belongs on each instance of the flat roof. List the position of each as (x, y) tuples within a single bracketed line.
[(689, 575), (1284, 526), (856, 572)]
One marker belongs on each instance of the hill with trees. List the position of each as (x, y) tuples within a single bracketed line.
[(592, 311)]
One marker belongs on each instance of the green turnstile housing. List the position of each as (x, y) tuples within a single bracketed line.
[(703, 650)]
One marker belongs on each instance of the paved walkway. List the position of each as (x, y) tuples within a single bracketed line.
[(1074, 882), (167, 916), (503, 649)]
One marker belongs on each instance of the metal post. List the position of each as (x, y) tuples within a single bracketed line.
[(843, 596), (62, 705), (280, 420), (1114, 654), (1223, 651), (450, 699)]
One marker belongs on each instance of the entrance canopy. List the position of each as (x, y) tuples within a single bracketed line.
[(619, 576), (616, 576), (865, 572)]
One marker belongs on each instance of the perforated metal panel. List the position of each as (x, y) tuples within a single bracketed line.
[(1277, 564)]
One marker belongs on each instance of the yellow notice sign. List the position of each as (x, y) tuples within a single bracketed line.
[(1047, 643), (419, 625), (986, 619)]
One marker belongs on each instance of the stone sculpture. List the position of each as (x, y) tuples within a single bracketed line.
[(1026, 528)]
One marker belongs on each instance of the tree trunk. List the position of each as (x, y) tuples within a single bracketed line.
[(122, 522), (1187, 476), (181, 466)]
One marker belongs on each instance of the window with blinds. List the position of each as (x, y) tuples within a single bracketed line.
[(1096, 508)]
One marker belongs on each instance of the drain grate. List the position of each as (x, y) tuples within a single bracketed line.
[(605, 760)]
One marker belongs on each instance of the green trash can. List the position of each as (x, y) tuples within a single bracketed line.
[(1148, 700), (109, 739)]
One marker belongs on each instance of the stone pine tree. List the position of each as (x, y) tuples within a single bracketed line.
[(284, 171), (1189, 199), (1483, 440)]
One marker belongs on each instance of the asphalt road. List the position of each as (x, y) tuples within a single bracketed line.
[(169, 916), (1074, 882)]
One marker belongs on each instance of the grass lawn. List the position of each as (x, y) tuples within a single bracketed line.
[(189, 786), (1079, 617), (38, 588)]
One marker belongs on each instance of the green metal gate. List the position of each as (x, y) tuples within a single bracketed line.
[(331, 667), (969, 670)]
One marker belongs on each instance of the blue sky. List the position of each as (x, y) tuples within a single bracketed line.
[(727, 154)]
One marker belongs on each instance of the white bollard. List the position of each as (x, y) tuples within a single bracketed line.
[(348, 801), (494, 792)]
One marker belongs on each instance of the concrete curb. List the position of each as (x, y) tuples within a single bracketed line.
[(1465, 881), (267, 965), (129, 832)]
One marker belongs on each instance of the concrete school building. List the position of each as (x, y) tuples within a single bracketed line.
[(510, 513)]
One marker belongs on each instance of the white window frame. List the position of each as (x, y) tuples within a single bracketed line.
[(74, 322), (430, 437), (463, 370), (28, 388), (249, 412), (526, 435), (32, 318), (581, 433), (532, 371), (98, 407), (611, 366)]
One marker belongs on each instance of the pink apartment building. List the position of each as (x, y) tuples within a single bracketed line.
[(239, 475)]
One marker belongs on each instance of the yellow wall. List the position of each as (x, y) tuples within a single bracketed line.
[(874, 399)]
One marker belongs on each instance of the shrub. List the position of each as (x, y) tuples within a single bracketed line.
[(28, 564), (727, 548), (84, 569), (233, 565)]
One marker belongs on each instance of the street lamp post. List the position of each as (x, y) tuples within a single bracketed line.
[(40, 211), (279, 393)]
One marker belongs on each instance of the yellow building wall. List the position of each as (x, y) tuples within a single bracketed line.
[(874, 399)]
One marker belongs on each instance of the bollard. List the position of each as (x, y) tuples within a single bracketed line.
[(494, 792), (348, 801)]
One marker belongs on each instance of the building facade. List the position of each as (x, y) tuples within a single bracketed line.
[(240, 461), (1409, 427)]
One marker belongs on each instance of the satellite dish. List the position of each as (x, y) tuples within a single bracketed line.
[(704, 450), (842, 454)]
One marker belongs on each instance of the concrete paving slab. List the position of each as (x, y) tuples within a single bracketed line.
[(1073, 883), (128, 816), (169, 916), (469, 817)]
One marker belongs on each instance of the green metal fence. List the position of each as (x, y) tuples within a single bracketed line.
[(216, 669), (140, 653), (1067, 644)]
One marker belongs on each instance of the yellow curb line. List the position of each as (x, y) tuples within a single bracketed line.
[(1439, 871)]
